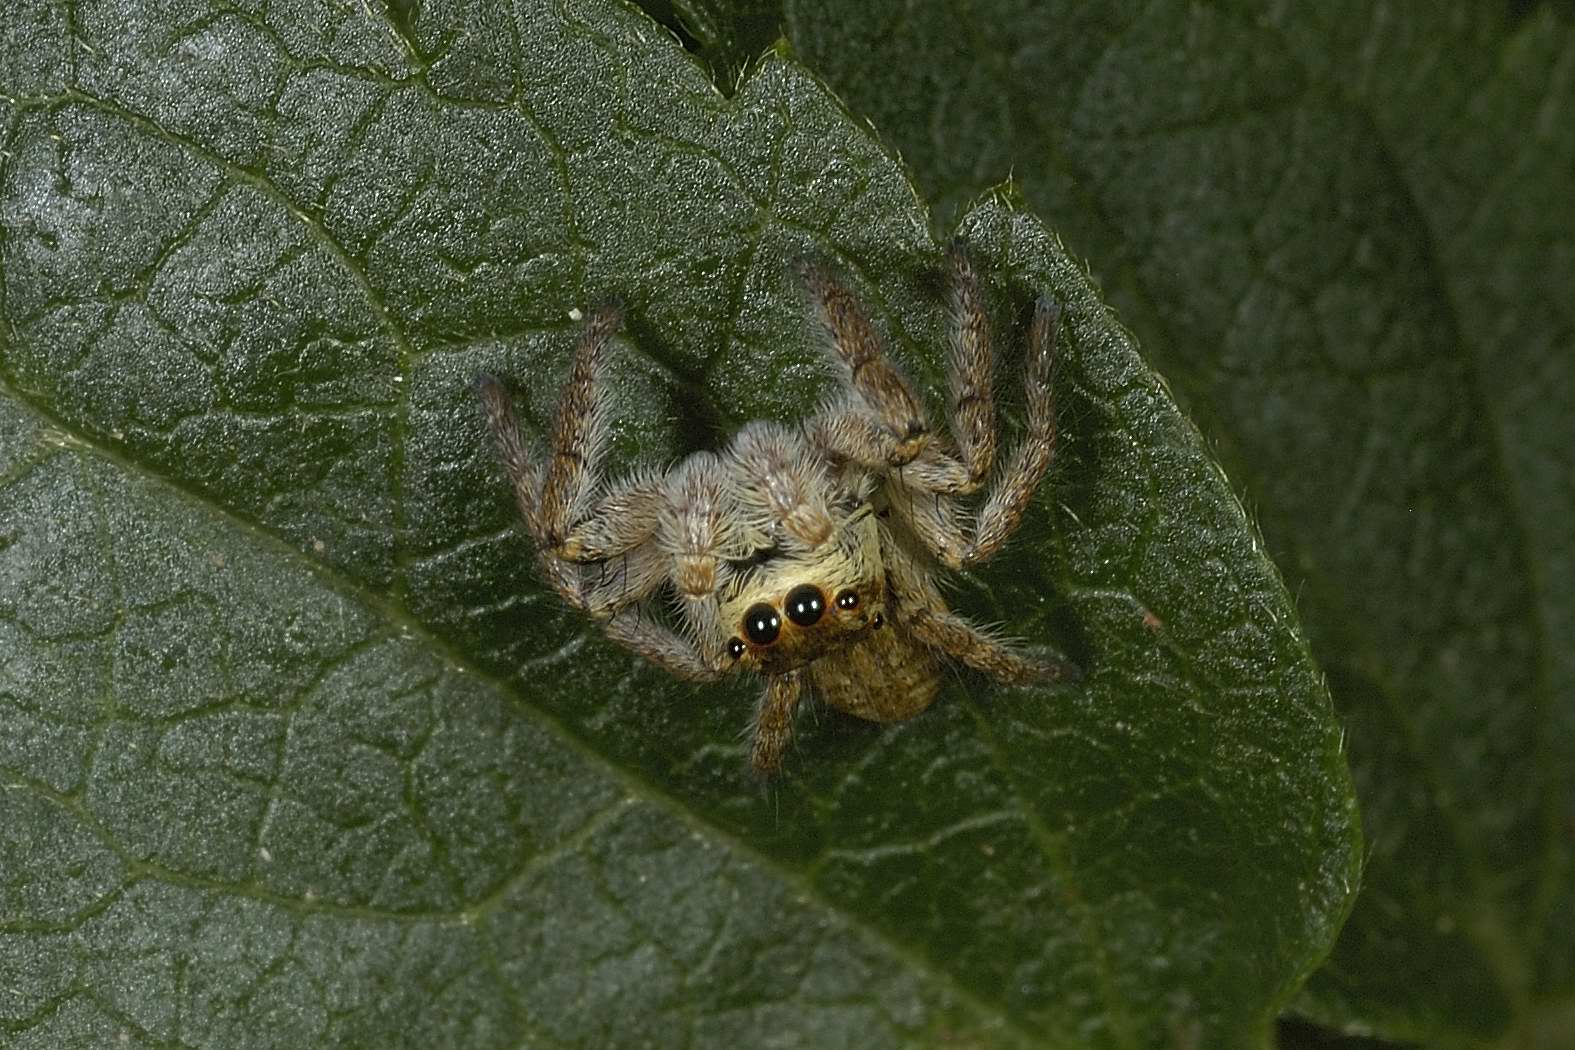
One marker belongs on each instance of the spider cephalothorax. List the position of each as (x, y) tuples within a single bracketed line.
[(792, 608), (802, 553)]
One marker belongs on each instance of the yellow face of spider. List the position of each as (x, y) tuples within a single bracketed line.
[(798, 606)]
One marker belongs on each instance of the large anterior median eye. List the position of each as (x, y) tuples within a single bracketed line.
[(805, 605), (762, 624)]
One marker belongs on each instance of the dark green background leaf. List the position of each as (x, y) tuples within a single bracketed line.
[(1344, 231), (298, 753)]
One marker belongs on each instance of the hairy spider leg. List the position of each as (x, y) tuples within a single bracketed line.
[(923, 612), (970, 368), (1014, 488), (578, 439), (774, 721), (884, 394), (554, 502), (696, 536), (942, 529)]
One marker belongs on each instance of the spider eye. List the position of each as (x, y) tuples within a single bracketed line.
[(848, 600), (735, 647), (762, 624), (805, 605)]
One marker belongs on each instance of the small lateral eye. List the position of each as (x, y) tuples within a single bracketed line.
[(805, 605), (762, 624), (735, 647), (848, 600)]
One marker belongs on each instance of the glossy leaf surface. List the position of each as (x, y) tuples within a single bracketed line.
[(297, 750)]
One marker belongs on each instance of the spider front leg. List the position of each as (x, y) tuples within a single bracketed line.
[(856, 430), (970, 385), (599, 559), (555, 502), (883, 424), (970, 371), (578, 440), (932, 513), (552, 500), (525, 479), (1014, 489)]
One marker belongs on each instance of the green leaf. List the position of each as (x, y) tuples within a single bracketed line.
[(297, 751), (1344, 232)]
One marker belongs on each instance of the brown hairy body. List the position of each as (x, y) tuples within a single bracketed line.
[(806, 554)]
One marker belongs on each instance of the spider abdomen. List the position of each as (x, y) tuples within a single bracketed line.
[(887, 677)]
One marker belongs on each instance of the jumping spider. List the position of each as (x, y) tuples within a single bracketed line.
[(803, 553)]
